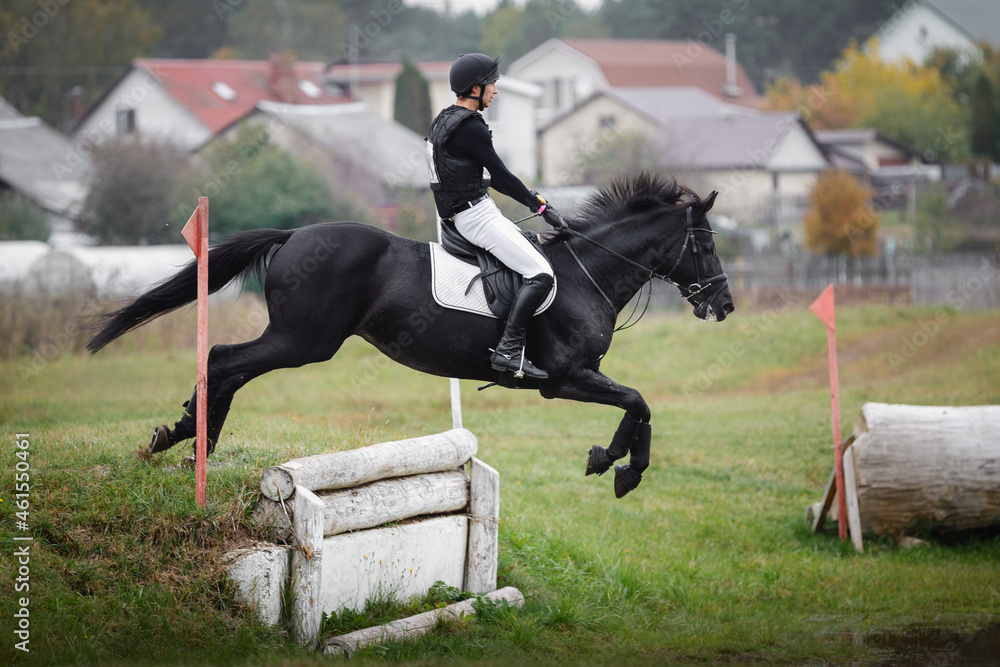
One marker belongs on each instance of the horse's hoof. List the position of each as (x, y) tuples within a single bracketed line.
[(626, 479), (188, 463), (161, 440), (598, 461)]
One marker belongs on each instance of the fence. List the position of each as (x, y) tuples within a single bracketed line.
[(965, 281)]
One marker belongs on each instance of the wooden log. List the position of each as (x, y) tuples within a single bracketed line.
[(484, 520), (394, 500), (414, 626), (923, 467), (429, 453), (307, 568)]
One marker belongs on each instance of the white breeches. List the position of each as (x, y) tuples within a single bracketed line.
[(485, 226)]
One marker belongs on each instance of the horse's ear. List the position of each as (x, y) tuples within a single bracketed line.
[(706, 204)]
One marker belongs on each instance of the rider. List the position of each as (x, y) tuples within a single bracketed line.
[(463, 163)]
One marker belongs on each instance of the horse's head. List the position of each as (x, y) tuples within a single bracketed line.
[(696, 268)]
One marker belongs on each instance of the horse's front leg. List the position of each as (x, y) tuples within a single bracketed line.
[(634, 433)]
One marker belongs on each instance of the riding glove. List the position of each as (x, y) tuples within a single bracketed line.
[(549, 212)]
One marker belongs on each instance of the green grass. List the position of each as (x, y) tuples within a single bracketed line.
[(708, 560)]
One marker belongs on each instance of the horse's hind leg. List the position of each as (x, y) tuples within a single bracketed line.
[(230, 367)]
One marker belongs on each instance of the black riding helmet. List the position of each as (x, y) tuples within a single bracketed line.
[(473, 69)]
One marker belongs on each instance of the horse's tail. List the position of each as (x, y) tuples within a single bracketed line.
[(237, 257)]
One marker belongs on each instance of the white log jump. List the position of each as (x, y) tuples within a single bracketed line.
[(912, 468), (335, 508), (341, 470)]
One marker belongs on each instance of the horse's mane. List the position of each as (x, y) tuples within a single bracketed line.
[(627, 195)]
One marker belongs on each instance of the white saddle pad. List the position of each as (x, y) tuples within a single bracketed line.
[(451, 276)]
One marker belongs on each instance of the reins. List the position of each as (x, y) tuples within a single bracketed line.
[(691, 290)]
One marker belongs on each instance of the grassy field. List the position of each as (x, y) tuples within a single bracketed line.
[(708, 561)]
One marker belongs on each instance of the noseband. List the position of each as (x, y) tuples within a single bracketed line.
[(699, 285), (686, 292)]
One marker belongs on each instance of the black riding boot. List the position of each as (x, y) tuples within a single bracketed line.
[(509, 355)]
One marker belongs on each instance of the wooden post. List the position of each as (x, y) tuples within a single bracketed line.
[(823, 307), (484, 530), (195, 232), (307, 567)]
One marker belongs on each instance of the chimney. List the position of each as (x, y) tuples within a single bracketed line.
[(730, 89), (281, 83)]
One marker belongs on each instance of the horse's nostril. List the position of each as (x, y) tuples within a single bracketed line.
[(728, 307)]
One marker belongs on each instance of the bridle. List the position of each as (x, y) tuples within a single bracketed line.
[(686, 292)]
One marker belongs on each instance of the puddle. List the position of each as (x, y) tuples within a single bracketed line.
[(938, 648)]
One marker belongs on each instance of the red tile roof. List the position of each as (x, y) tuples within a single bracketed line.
[(190, 83), (665, 63)]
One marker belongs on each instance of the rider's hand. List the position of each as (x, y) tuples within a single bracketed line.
[(549, 213), (551, 216)]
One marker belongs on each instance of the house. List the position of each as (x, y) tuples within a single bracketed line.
[(763, 164), (892, 168), (511, 116), (45, 166), (920, 26), (865, 150), (186, 102), (618, 111), (570, 71), (355, 150)]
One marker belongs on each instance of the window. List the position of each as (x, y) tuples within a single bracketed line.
[(607, 122), (125, 121), (310, 89), (224, 91)]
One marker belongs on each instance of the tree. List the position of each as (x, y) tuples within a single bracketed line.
[(134, 189), (50, 48), (313, 30), (840, 220), (412, 106), (254, 184), (21, 219), (908, 102), (984, 119)]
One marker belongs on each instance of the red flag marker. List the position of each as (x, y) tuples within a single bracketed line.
[(824, 309), (195, 232)]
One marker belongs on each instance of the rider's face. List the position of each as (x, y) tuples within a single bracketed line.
[(489, 93)]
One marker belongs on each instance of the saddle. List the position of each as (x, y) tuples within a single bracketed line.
[(500, 283)]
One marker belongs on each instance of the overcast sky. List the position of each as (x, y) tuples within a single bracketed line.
[(483, 6)]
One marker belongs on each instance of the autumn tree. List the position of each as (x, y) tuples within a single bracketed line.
[(908, 102), (841, 220)]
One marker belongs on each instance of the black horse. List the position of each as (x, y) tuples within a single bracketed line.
[(328, 281)]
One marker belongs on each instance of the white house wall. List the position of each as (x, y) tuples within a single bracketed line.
[(579, 78), (511, 117), (582, 133), (156, 114), (795, 152), (914, 31)]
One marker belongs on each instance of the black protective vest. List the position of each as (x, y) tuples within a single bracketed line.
[(454, 180)]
